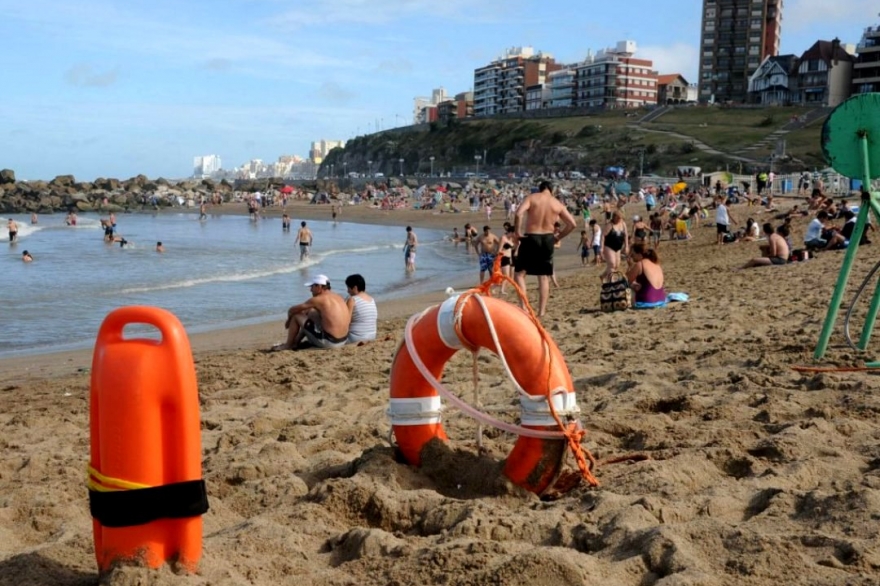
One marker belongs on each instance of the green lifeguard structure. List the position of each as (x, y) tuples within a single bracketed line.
[(851, 143)]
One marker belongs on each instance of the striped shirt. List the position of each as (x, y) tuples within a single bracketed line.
[(363, 320)]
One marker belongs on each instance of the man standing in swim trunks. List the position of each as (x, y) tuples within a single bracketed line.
[(487, 244), (13, 229), (409, 249), (304, 236), (535, 231), (322, 320)]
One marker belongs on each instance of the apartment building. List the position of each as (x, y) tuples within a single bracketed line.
[(206, 165), (614, 78), (866, 70), (461, 106), (500, 86), (320, 149), (562, 88), (736, 37)]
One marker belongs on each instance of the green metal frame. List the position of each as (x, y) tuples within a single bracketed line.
[(868, 204)]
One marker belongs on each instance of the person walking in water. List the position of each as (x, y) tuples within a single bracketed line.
[(13, 230), (537, 236), (304, 236), (409, 249)]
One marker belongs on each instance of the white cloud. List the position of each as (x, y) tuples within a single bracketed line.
[(680, 58), (83, 75)]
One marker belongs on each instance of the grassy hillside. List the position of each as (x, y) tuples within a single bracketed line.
[(588, 143)]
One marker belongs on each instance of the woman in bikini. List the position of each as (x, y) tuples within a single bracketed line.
[(640, 231), (505, 246), (616, 241), (645, 275)]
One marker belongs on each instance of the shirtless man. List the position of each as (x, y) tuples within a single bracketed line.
[(13, 230), (334, 211), (26, 257), (535, 231), (304, 236), (71, 219), (776, 250), (409, 249), (322, 320), (487, 245)]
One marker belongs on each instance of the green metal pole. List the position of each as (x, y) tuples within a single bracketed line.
[(871, 318), (843, 277)]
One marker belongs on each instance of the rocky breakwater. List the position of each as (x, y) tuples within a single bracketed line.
[(66, 194)]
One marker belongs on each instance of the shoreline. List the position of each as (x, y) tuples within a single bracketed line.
[(262, 335)]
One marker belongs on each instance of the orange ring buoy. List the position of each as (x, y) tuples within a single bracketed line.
[(533, 463), (146, 490)]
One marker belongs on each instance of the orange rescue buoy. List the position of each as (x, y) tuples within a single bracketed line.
[(535, 363), (146, 492)]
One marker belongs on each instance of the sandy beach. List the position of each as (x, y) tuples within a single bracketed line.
[(736, 468)]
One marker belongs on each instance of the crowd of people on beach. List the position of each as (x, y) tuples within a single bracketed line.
[(536, 221)]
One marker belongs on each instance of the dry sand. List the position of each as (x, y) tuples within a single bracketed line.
[(756, 474)]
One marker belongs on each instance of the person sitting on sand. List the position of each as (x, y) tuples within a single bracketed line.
[(646, 275), (850, 225), (362, 308), (821, 236), (775, 252), (322, 320)]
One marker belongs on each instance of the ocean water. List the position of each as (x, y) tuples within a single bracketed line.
[(222, 272)]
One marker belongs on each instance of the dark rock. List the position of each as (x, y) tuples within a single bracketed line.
[(63, 180), (84, 186), (84, 206), (163, 181), (209, 183), (107, 184), (7, 176)]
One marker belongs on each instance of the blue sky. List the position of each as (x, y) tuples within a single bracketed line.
[(106, 88)]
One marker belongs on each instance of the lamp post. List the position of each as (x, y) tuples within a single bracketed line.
[(432, 165), (401, 167), (331, 170), (477, 159), (344, 171), (369, 168)]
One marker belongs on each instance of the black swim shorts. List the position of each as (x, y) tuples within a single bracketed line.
[(535, 255)]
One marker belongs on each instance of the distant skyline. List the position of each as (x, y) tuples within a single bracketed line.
[(110, 88)]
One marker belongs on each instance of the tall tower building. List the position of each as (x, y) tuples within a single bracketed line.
[(736, 37), (866, 72)]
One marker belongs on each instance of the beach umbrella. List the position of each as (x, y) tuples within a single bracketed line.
[(679, 187), (287, 189), (623, 187)]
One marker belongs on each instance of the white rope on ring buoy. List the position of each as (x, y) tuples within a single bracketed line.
[(463, 406)]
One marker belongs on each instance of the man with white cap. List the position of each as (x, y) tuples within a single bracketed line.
[(322, 320)]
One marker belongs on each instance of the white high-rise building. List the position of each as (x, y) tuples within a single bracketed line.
[(206, 166)]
